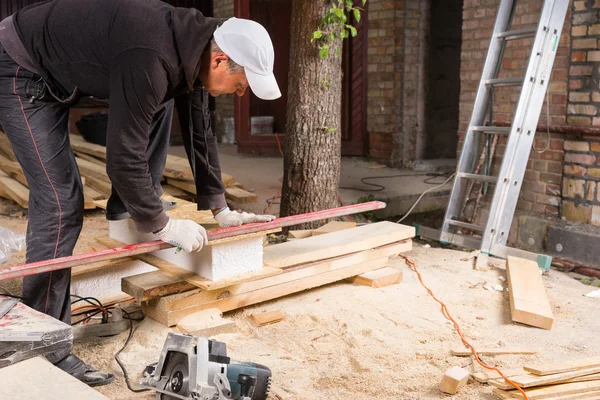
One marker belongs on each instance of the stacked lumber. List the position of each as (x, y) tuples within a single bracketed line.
[(91, 160), (574, 379), (303, 264)]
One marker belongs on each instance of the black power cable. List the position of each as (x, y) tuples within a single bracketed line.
[(123, 348)]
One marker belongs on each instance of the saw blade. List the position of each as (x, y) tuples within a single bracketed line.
[(177, 369)]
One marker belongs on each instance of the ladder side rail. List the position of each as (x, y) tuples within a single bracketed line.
[(522, 134), (469, 150)]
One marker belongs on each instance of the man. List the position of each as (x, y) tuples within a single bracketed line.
[(145, 57)]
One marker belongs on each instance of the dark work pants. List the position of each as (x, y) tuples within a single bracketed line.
[(38, 131)]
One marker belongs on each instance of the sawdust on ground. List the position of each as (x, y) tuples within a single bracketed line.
[(351, 342)]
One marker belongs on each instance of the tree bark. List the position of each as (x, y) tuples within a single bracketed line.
[(313, 134)]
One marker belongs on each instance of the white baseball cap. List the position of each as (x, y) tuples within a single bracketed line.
[(248, 43)]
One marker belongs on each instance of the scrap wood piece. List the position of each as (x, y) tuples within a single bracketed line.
[(6, 147), (267, 318), (170, 309), (154, 284), (379, 278), (333, 226), (240, 195), (335, 244), (188, 276), (454, 379), (526, 380), (563, 366), (50, 382), (528, 299), (579, 389), (15, 190), (92, 170), (206, 323), (492, 352)]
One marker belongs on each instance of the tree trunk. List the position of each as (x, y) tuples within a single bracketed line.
[(313, 138)]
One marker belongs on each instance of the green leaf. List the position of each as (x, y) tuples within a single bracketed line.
[(356, 14), (338, 52), (352, 29), (323, 52), (364, 2), (339, 12), (349, 4), (317, 35), (345, 34)]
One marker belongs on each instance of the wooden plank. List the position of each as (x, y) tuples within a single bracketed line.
[(13, 169), (188, 186), (92, 170), (193, 298), (80, 145), (176, 170), (333, 226), (154, 284), (240, 196), (98, 184), (555, 391), (91, 159), (485, 376), (36, 378), (6, 147), (377, 279), (88, 202), (14, 189), (300, 233), (227, 179), (526, 380), (101, 265), (491, 352), (528, 299), (267, 318), (207, 323), (336, 244), (268, 293), (174, 191), (563, 366), (93, 193), (190, 277)]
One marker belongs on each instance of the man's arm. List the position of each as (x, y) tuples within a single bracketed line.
[(138, 83)]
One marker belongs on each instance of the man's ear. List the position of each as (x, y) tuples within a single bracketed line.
[(219, 58)]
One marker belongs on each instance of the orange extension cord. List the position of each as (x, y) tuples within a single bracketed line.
[(457, 327)]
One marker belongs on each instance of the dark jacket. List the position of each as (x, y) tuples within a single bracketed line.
[(138, 54)]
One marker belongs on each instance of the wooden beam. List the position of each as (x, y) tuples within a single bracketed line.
[(336, 244), (528, 299), (93, 193), (91, 159), (240, 196), (377, 279), (100, 185), (13, 169), (491, 352), (563, 366), (154, 284), (14, 189), (92, 170), (267, 318), (6, 147), (333, 226), (79, 144), (188, 186)]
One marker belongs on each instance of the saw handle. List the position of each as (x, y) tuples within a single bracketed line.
[(247, 384)]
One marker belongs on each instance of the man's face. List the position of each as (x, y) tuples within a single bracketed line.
[(219, 80)]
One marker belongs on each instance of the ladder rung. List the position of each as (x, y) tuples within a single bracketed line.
[(517, 34), (465, 225), (476, 177), (504, 82), (501, 130)]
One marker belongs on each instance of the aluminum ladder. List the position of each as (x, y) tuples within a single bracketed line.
[(494, 234)]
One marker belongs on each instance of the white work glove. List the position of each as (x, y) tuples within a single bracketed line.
[(183, 233), (226, 218)]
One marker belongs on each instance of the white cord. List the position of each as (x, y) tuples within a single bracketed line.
[(423, 194), (547, 125)]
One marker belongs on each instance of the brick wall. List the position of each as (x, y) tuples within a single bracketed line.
[(224, 106), (541, 191)]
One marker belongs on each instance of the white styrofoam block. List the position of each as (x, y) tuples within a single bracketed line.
[(214, 262), (106, 283)]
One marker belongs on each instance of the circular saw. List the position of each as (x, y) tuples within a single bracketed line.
[(196, 368)]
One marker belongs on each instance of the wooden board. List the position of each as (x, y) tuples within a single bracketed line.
[(526, 380), (36, 378), (240, 196), (300, 233), (380, 278), (188, 186), (175, 191), (485, 376), (99, 185), (80, 145), (333, 226), (101, 265), (15, 190), (563, 366), (528, 299), (336, 244), (491, 352), (92, 170), (190, 277), (13, 169), (553, 392), (6, 147), (154, 284), (91, 159), (267, 318), (92, 193), (268, 293)]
